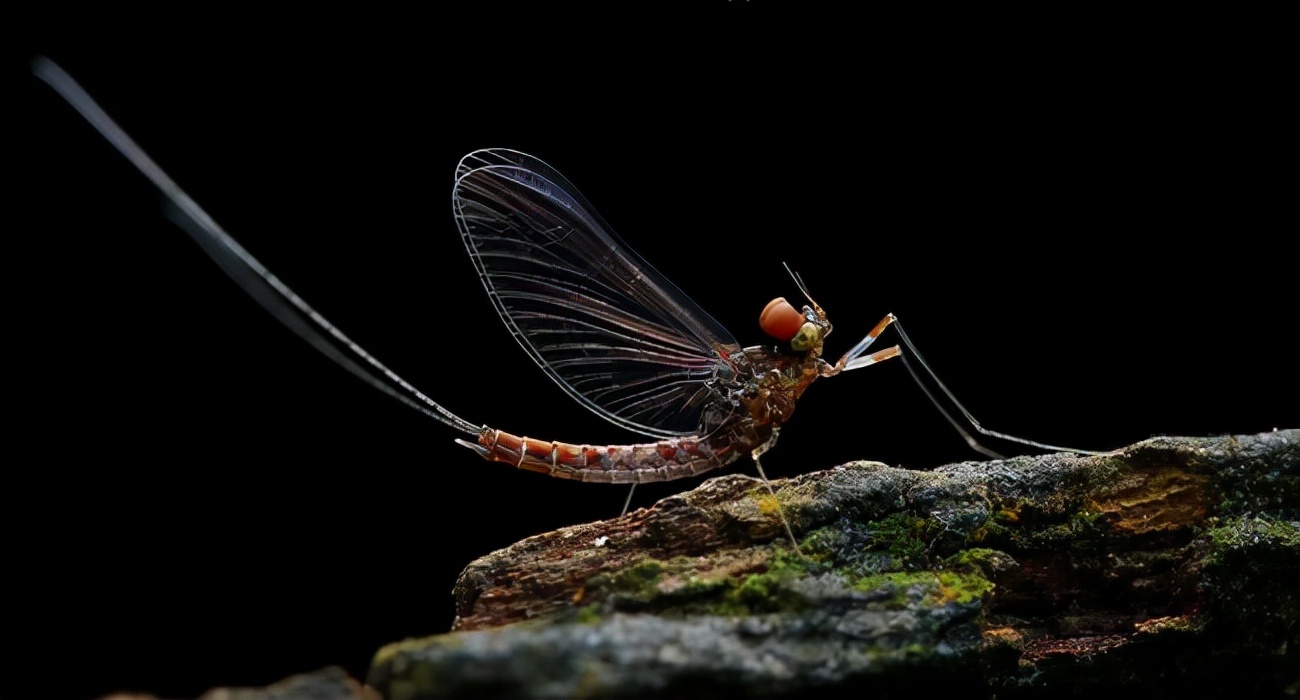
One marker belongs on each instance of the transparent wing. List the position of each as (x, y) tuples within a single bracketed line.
[(613, 332)]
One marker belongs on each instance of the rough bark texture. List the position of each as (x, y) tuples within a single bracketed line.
[(1171, 566)]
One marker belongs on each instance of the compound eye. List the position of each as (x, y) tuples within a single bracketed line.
[(809, 335), (780, 320)]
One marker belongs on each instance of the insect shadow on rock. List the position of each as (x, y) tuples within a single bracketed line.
[(614, 333)]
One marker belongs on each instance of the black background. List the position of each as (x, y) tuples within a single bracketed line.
[(1085, 215)]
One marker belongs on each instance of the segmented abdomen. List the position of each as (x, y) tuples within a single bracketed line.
[(665, 460)]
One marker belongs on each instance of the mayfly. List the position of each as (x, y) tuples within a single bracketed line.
[(610, 330)]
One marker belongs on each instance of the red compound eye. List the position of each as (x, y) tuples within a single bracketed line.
[(780, 320)]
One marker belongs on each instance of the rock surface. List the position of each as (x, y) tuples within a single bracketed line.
[(1169, 566)]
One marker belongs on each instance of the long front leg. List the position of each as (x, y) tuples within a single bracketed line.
[(856, 358)]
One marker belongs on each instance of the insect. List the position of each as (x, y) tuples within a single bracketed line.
[(610, 330)]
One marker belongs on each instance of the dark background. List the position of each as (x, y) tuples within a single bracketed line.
[(1086, 216)]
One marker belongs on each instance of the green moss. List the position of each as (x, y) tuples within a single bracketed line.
[(1034, 525), (770, 590), (917, 651), (899, 542), (875, 556), (787, 563), (695, 586), (981, 560), (962, 588), (1248, 577), (589, 614), (935, 588), (767, 591), (975, 557), (896, 581), (1252, 533), (822, 545), (993, 531), (636, 581), (757, 589), (679, 586), (901, 537), (645, 572)]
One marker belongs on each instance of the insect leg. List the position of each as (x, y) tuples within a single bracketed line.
[(854, 359), (916, 355), (756, 454), (628, 502)]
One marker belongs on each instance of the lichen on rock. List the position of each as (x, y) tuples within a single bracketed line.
[(1150, 568)]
